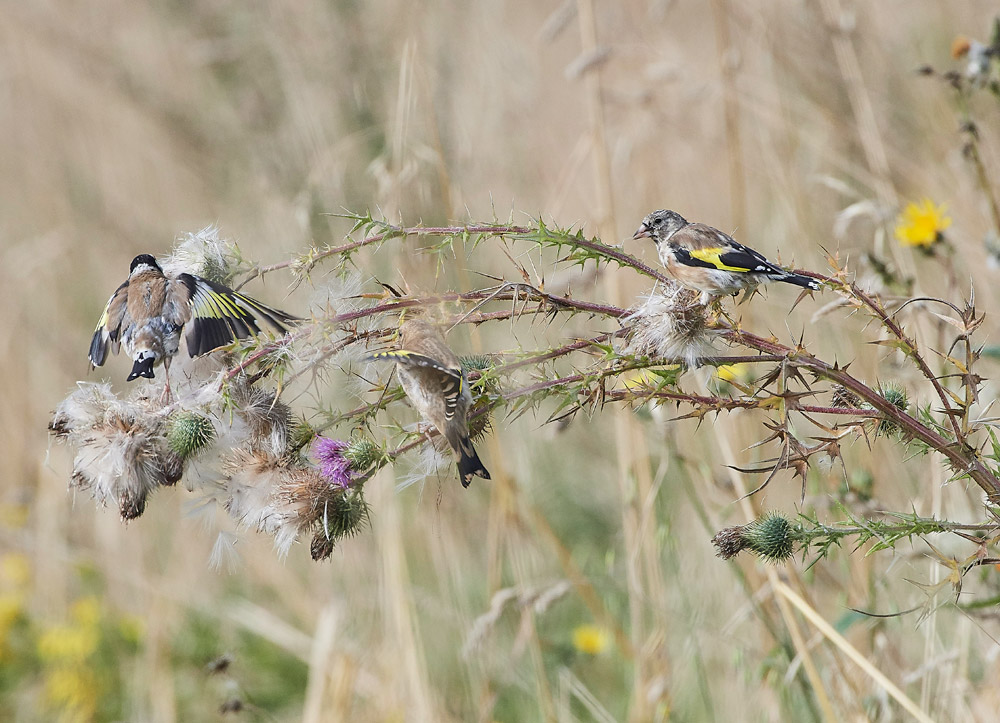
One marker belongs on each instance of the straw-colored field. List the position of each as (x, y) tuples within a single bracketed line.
[(580, 583)]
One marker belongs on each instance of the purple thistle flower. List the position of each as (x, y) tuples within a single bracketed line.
[(332, 463)]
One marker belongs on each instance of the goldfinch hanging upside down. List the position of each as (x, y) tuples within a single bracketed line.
[(704, 259), (434, 382), (148, 311)]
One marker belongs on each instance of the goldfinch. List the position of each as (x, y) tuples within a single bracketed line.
[(434, 382), (705, 259), (149, 310)]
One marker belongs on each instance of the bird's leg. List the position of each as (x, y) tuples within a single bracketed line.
[(165, 396)]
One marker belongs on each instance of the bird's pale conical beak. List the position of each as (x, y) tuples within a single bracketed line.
[(642, 232)]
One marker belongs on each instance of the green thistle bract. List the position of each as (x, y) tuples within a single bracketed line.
[(188, 433), (896, 396), (344, 515), (477, 363), (363, 453), (300, 434), (772, 537)]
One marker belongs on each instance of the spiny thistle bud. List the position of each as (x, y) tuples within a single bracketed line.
[(188, 433), (480, 422), (363, 453), (771, 537), (346, 514), (477, 363), (300, 434), (342, 515), (896, 396)]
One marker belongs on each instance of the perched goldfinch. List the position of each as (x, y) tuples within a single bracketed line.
[(704, 259), (433, 380), (148, 311)]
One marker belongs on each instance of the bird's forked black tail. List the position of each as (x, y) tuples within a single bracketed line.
[(143, 367), (805, 282), (469, 465)]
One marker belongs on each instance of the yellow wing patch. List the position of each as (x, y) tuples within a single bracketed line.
[(712, 256)]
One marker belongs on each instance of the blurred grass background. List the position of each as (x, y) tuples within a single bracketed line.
[(126, 124)]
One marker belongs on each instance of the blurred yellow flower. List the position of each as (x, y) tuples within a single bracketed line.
[(74, 690), (86, 611), (67, 644), (733, 372), (590, 639), (921, 224), (15, 570), (13, 516)]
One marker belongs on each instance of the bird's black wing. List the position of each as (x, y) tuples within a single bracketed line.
[(217, 315), (732, 256), (109, 327)]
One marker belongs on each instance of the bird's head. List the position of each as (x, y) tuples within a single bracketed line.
[(660, 226), (144, 262)]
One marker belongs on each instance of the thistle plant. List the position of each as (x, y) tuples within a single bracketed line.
[(298, 472), (288, 475)]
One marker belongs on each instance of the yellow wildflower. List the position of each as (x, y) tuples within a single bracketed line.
[(922, 224), (66, 644), (74, 690), (733, 372), (590, 639)]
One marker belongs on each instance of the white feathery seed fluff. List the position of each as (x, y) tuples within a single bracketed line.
[(83, 409), (206, 254), (120, 448), (338, 296), (120, 463), (430, 461), (267, 419), (670, 326), (224, 555), (266, 494), (250, 486)]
